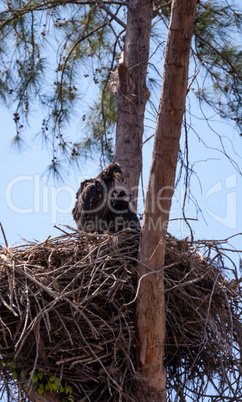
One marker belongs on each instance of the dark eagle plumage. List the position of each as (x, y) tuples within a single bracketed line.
[(92, 205), (121, 214)]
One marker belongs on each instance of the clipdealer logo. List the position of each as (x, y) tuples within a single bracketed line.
[(48, 199)]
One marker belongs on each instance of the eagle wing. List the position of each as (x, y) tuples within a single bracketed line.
[(93, 202), (89, 206), (83, 185)]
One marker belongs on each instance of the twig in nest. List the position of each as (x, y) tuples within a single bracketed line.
[(5, 239)]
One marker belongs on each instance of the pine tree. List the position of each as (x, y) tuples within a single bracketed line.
[(88, 35), (87, 40)]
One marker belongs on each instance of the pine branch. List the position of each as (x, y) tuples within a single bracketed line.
[(223, 57)]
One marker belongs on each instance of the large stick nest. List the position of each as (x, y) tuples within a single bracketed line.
[(68, 310)]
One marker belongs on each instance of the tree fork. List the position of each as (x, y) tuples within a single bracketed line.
[(150, 319), (133, 93)]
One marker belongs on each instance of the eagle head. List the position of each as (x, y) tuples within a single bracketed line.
[(113, 170), (123, 196)]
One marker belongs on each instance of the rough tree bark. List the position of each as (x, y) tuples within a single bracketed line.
[(151, 304), (133, 93)]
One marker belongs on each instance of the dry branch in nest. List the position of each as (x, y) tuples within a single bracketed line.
[(68, 312)]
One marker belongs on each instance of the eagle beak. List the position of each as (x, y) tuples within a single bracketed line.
[(129, 198), (119, 176), (126, 199)]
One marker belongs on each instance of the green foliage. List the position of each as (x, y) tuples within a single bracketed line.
[(40, 382), (59, 55), (46, 51), (100, 124), (217, 46)]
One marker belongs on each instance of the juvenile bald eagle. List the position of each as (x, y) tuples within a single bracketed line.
[(92, 205), (121, 214)]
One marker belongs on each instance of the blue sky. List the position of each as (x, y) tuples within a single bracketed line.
[(32, 204)]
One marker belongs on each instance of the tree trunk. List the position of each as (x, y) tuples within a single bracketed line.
[(151, 302), (133, 93)]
